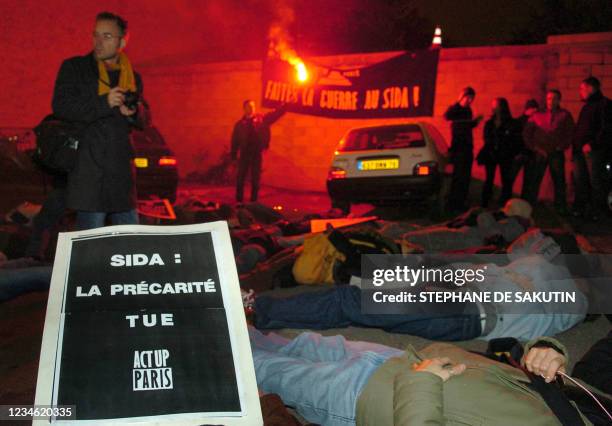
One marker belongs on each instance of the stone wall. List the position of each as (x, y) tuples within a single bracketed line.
[(195, 106)]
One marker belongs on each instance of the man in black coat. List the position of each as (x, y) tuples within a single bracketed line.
[(250, 138), (594, 129), (92, 91), (462, 148)]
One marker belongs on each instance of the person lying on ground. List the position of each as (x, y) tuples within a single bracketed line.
[(475, 228), (332, 381), (540, 271), (16, 280)]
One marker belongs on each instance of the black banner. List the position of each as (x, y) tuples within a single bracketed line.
[(403, 86), (145, 329)]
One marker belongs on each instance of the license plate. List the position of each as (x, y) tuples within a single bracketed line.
[(141, 163), (379, 164)]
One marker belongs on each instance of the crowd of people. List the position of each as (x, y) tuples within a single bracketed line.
[(335, 382), (536, 141)]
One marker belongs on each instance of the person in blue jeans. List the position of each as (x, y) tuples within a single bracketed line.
[(321, 377), (20, 280), (335, 382), (341, 307), (543, 272), (90, 220)]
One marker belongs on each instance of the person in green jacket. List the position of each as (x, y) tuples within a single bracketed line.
[(332, 381)]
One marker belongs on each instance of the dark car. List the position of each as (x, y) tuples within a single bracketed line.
[(155, 163)]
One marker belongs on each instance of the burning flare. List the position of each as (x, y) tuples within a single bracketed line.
[(300, 69), (279, 47)]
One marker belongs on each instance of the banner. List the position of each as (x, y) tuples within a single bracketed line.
[(146, 323), (403, 86)]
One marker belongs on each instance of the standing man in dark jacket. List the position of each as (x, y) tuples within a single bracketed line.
[(92, 91), (462, 146), (250, 138), (548, 134), (525, 155), (594, 131)]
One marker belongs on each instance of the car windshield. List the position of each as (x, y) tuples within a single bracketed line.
[(384, 137)]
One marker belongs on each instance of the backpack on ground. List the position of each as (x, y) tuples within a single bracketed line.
[(316, 262), (355, 243)]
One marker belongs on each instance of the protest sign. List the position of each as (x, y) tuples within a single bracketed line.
[(146, 323), (402, 86)]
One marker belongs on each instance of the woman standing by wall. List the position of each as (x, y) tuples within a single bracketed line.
[(501, 145)]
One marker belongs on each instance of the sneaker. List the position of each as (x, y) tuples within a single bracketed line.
[(248, 301), (248, 298)]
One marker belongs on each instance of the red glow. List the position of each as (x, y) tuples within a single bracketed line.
[(167, 161)]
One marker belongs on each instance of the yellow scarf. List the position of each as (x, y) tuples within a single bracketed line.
[(126, 75)]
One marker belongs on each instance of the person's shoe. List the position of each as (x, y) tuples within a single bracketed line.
[(248, 301)]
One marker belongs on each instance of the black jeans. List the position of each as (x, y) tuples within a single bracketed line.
[(535, 168), (595, 367), (591, 188), (249, 161), (460, 183), (507, 170)]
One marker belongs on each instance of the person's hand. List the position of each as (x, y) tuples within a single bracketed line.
[(126, 111), (441, 367), (545, 362), (115, 97)]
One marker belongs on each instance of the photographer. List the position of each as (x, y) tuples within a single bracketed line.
[(100, 93)]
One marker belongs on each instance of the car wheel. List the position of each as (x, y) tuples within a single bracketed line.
[(345, 206)]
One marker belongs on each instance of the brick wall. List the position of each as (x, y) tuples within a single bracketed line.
[(196, 106)]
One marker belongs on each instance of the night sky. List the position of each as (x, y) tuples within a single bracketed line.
[(192, 31)]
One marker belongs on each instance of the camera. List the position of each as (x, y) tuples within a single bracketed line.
[(131, 100)]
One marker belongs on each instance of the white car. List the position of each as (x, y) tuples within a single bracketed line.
[(388, 162)]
